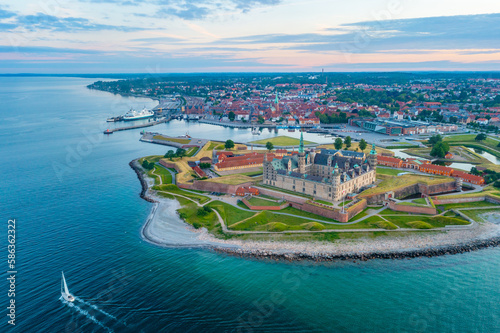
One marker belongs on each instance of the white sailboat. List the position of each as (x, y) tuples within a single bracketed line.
[(64, 290)]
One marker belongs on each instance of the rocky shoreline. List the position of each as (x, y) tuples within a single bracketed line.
[(414, 246), (325, 257)]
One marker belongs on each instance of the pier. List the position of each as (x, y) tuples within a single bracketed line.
[(149, 124)]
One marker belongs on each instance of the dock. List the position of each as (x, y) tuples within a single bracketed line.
[(149, 124)]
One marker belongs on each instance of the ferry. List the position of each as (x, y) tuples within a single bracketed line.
[(135, 115)]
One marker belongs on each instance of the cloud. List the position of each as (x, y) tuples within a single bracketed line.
[(165, 39), (431, 33), (44, 49), (202, 9), (64, 24), (6, 13)]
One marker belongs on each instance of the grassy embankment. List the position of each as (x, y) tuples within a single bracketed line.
[(355, 147), (481, 215), (392, 183), (282, 141)]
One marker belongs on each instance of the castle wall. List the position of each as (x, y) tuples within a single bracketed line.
[(411, 209), (406, 191)]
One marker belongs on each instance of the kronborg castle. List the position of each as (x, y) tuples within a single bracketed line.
[(327, 175)]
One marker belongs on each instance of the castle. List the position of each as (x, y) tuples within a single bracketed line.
[(327, 175)]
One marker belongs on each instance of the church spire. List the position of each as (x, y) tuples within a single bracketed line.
[(301, 145)]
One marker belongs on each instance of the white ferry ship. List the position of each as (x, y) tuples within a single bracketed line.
[(135, 115)]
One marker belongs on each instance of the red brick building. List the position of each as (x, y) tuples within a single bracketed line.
[(389, 161), (436, 169)]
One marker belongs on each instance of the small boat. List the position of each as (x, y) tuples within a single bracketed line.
[(108, 131), (64, 290), (255, 131)]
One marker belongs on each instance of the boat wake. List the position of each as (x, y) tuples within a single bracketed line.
[(95, 308), (86, 313)]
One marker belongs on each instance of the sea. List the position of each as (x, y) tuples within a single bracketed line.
[(76, 206)]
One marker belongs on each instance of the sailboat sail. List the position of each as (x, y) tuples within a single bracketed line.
[(65, 285)]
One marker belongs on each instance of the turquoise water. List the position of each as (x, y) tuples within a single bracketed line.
[(77, 208)]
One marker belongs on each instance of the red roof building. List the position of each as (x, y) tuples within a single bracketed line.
[(468, 178), (436, 169), (389, 161)]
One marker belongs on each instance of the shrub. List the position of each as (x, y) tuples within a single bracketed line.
[(197, 225), (201, 212)]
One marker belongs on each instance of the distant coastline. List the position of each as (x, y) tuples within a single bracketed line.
[(409, 246)]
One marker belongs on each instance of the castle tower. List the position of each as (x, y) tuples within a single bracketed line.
[(302, 155), (336, 183), (372, 158)]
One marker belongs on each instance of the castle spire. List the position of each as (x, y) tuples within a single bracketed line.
[(373, 152), (301, 145)]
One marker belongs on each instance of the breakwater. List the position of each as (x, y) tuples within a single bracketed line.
[(149, 124)]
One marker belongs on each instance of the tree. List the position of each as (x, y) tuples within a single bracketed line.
[(170, 155), (435, 139), (269, 145), (362, 144), (231, 116), (440, 150), (481, 137), (347, 142), (148, 166), (229, 144), (261, 120), (338, 143), (180, 153)]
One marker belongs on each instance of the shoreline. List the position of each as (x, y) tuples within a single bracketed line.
[(170, 231)]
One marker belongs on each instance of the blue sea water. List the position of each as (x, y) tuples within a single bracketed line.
[(77, 209)]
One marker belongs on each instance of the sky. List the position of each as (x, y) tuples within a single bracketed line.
[(185, 36)]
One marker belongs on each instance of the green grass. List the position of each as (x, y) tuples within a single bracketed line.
[(387, 171), (282, 141), (394, 183), (177, 140), (386, 225), (213, 144), (420, 201), (173, 189), (324, 202), (467, 205), (420, 225), (210, 221), (230, 214), (477, 214), (410, 204), (191, 151), (255, 201), (253, 173), (235, 179), (467, 140), (166, 176)]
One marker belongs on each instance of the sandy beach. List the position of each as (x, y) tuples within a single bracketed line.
[(164, 227)]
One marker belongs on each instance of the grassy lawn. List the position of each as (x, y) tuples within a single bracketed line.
[(191, 151), (191, 214), (468, 205), (166, 176), (388, 171), (468, 141), (324, 202), (433, 221), (478, 215), (393, 183), (173, 189), (253, 173), (256, 201), (420, 201), (282, 141), (235, 179), (213, 144), (177, 140), (230, 214)]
